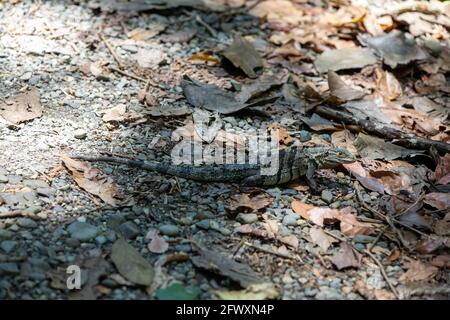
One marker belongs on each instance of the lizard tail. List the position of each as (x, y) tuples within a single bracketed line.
[(188, 172)]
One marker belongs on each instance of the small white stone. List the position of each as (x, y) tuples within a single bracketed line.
[(80, 134)]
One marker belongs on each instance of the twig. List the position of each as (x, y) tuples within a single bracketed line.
[(408, 140), (271, 251), (383, 272), (207, 26), (111, 49), (4, 259), (129, 75), (375, 241), (411, 206), (19, 213)]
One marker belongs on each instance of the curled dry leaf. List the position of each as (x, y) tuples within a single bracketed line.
[(347, 58), (249, 202), (344, 139), (119, 114), (346, 257), (244, 56), (364, 177), (92, 180), (418, 271), (349, 225), (319, 237), (438, 200), (387, 85), (283, 136), (157, 243), (442, 172), (341, 90), (21, 108)]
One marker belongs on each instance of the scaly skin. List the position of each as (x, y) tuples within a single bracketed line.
[(293, 164)]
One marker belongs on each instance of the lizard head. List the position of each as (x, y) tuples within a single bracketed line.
[(331, 157)]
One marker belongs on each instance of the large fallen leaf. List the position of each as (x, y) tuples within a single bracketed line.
[(346, 257), (210, 97), (92, 180), (438, 200), (23, 107), (216, 262), (395, 48), (244, 56), (320, 216), (177, 291), (341, 59), (261, 291), (131, 264), (319, 237), (341, 90), (418, 271), (376, 148)]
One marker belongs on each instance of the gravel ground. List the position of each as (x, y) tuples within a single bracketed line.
[(43, 46)]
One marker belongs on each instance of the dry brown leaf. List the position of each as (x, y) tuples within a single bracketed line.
[(23, 107), (351, 227), (387, 85), (92, 180), (442, 261), (249, 202), (119, 114), (341, 90), (344, 139), (427, 246), (346, 257), (319, 237), (283, 136), (364, 177), (157, 243), (438, 200), (321, 216), (277, 10), (290, 241), (301, 208), (442, 172), (418, 271)]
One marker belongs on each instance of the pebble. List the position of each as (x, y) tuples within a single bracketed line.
[(82, 231), (305, 136), (169, 230), (327, 293), (80, 134), (5, 234), (8, 246), (26, 223), (101, 239), (9, 268), (204, 224), (129, 230), (311, 292), (247, 218), (290, 219), (326, 196), (72, 242), (360, 238)]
